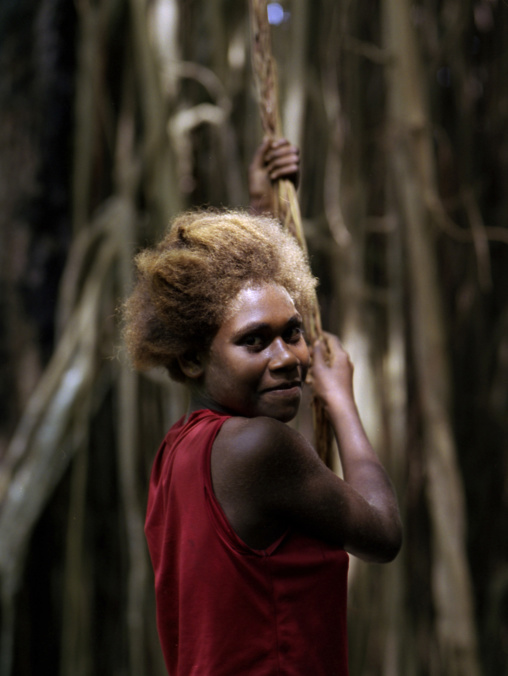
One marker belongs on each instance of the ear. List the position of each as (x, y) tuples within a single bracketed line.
[(191, 364)]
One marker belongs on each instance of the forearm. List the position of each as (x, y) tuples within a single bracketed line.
[(373, 529), (362, 468), (355, 450)]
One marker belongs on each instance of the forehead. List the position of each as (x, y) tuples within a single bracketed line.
[(268, 303)]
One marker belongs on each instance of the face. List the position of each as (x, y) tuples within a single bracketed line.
[(258, 359)]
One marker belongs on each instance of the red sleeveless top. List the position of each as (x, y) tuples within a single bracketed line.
[(224, 609)]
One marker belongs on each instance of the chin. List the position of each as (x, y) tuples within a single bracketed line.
[(286, 418), (282, 416), (284, 411)]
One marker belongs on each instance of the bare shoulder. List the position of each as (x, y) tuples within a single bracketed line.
[(255, 431), (256, 465), (261, 440), (260, 458)]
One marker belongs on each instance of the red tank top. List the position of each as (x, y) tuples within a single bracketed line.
[(224, 609)]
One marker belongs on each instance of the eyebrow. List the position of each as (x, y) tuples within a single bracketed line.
[(254, 327)]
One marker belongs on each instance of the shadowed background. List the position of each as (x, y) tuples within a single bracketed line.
[(115, 115)]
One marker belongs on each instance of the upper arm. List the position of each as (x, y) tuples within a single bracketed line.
[(281, 479)]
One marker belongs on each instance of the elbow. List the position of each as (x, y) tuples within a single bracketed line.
[(390, 550), (391, 544), (384, 552), (390, 541), (383, 548)]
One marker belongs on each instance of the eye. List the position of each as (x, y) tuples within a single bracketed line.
[(253, 341), (293, 334)]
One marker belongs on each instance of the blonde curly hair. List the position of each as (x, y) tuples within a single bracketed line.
[(187, 283)]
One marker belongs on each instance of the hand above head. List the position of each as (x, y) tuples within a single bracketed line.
[(274, 159)]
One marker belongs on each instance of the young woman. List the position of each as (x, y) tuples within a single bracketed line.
[(248, 530)]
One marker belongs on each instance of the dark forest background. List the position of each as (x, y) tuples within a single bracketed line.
[(115, 115)]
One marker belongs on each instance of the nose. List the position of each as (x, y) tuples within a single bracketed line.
[(282, 357)]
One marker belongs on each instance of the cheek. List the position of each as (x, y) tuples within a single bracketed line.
[(229, 377), (305, 355), (305, 359)]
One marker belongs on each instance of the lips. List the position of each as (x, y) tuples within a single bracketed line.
[(285, 386)]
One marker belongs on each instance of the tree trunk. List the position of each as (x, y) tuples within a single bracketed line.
[(413, 179)]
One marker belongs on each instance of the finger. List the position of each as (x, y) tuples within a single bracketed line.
[(329, 349), (287, 171), (286, 167), (319, 352), (280, 141), (273, 154), (283, 159), (282, 155)]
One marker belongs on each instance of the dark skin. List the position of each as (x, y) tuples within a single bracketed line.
[(266, 476), (274, 159)]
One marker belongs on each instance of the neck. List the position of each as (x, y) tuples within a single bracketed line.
[(199, 400)]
